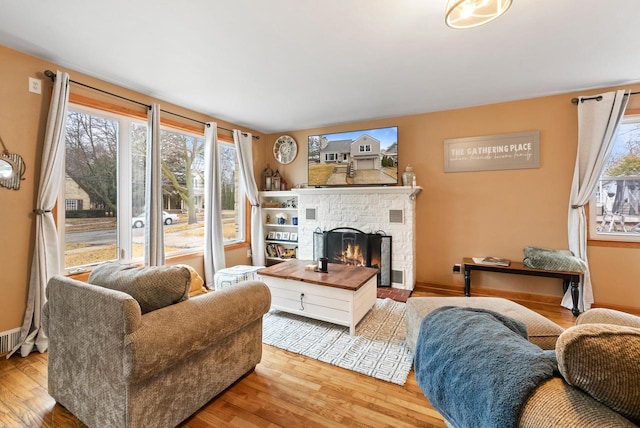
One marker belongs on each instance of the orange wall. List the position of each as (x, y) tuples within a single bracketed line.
[(492, 212), (23, 118)]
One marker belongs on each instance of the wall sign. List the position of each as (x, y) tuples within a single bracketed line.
[(492, 152)]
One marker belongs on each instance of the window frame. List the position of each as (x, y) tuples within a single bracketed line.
[(124, 235), (610, 239), (108, 110), (242, 211)]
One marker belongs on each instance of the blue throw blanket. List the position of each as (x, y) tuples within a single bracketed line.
[(477, 367)]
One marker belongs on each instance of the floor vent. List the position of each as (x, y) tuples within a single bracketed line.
[(397, 276), (8, 340)]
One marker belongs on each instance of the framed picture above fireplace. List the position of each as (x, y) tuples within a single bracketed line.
[(367, 157)]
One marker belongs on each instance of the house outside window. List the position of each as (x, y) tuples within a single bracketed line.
[(614, 209), (106, 161)]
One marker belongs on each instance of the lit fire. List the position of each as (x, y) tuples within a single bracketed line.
[(351, 255)]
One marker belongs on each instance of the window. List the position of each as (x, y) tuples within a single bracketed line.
[(91, 146), (365, 148), (232, 196), (73, 204), (614, 207), (330, 157), (104, 192)]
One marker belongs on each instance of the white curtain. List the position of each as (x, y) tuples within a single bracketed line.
[(46, 260), (154, 233), (244, 148), (598, 123), (213, 238)]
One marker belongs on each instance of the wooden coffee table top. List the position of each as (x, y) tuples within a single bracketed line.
[(338, 276)]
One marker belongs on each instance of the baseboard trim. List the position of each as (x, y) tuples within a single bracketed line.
[(439, 288), (627, 309), (458, 290)]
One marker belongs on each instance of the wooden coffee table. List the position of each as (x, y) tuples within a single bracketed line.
[(341, 296)]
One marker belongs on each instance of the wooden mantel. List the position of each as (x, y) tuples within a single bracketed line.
[(359, 190)]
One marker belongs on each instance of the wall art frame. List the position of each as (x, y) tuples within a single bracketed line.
[(492, 152)]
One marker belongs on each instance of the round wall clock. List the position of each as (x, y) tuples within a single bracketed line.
[(285, 149)]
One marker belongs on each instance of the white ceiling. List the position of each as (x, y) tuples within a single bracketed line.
[(276, 65)]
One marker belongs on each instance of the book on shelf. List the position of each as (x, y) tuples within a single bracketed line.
[(494, 261), (271, 250)]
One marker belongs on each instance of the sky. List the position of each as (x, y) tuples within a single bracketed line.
[(387, 136), (626, 130)]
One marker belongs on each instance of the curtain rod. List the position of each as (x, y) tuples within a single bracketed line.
[(50, 74), (597, 98)]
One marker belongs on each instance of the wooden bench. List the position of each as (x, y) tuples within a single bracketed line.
[(569, 279)]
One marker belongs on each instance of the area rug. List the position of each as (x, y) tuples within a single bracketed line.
[(378, 349)]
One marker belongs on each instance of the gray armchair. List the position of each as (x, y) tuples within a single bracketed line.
[(113, 366)]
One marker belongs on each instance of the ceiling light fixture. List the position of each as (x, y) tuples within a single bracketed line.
[(462, 14)]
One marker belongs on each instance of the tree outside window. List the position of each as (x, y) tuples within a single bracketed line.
[(615, 207)]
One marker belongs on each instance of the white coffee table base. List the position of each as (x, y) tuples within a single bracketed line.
[(322, 302)]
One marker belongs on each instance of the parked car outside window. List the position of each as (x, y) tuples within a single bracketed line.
[(167, 218)]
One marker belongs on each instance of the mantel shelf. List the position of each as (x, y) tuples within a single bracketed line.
[(415, 192), (356, 190)]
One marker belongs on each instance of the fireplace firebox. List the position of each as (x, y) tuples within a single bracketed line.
[(346, 245)]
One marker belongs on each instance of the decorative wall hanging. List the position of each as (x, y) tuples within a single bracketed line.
[(285, 150), (492, 152), (12, 168)]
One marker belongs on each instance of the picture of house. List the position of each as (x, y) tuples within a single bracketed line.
[(363, 152), (336, 151), (354, 158)]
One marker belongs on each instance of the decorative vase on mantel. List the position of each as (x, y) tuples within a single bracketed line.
[(408, 176)]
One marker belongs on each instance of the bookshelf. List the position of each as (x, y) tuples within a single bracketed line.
[(279, 220)]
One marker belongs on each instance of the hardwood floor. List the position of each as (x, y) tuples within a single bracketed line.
[(285, 390)]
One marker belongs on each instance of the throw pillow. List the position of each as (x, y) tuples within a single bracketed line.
[(153, 287), (544, 258), (603, 361), (197, 283)]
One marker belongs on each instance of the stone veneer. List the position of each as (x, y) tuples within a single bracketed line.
[(368, 209)]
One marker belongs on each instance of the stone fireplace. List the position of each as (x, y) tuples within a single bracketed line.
[(369, 209)]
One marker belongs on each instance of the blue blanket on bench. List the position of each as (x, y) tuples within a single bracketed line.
[(477, 367)]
